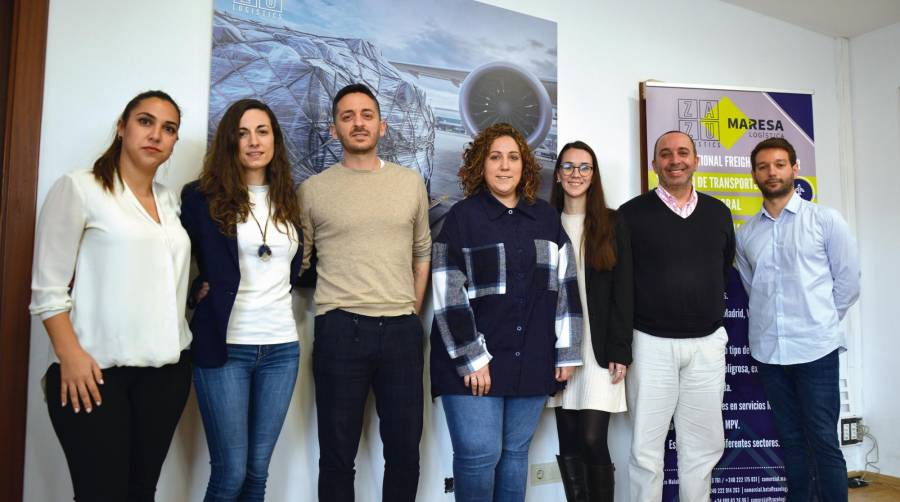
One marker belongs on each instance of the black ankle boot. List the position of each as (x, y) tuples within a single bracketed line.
[(600, 480), (571, 470)]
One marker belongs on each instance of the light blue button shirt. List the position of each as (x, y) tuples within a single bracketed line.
[(801, 271)]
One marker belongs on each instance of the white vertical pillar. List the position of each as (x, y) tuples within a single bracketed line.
[(851, 363)]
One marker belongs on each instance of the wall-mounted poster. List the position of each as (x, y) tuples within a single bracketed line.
[(441, 71), (725, 124)]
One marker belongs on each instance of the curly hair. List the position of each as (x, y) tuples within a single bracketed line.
[(223, 185), (598, 238), (471, 174)]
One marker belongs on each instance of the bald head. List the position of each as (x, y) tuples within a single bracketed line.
[(663, 135)]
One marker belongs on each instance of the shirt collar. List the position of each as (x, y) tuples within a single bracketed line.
[(495, 209), (793, 206), (672, 203), (670, 199)]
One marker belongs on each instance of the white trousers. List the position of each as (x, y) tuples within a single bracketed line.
[(684, 378)]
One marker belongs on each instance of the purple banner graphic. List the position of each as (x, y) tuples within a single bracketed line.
[(725, 125)]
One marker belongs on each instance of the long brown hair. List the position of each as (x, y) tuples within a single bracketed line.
[(106, 167), (598, 238), (471, 174), (223, 185)]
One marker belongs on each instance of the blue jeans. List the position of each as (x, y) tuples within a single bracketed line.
[(243, 404), (806, 404), (490, 437)]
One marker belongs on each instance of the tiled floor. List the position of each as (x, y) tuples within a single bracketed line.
[(875, 492)]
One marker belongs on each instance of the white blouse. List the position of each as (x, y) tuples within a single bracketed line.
[(130, 273), (262, 312)]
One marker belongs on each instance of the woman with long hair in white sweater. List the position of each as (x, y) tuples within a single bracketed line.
[(597, 389)]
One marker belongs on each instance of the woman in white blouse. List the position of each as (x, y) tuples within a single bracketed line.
[(243, 219), (597, 389), (110, 282)]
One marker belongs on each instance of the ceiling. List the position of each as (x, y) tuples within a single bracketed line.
[(839, 18)]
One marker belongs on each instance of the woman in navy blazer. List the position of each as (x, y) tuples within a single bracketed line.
[(243, 219)]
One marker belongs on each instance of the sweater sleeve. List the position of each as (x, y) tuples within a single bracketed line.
[(58, 239), (742, 262), (453, 315), (304, 193), (728, 252), (621, 316), (421, 227)]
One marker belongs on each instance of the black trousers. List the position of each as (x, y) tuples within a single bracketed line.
[(116, 452), (351, 354)]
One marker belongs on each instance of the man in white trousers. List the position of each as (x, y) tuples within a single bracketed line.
[(683, 247)]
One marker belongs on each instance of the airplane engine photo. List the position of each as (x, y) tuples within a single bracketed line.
[(504, 92)]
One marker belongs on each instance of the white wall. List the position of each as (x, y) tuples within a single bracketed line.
[(875, 76), (99, 56)]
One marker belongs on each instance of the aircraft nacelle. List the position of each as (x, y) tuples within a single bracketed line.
[(504, 92)]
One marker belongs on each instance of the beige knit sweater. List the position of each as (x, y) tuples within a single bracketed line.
[(368, 227)]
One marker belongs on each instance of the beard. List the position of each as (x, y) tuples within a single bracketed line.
[(354, 148), (785, 188), (358, 150)]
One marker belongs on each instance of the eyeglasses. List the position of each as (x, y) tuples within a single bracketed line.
[(583, 169)]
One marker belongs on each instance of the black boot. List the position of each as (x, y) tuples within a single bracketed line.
[(571, 470), (600, 481)]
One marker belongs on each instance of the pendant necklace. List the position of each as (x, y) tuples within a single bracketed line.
[(264, 252)]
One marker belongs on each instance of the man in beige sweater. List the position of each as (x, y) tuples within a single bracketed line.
[(368, 220)]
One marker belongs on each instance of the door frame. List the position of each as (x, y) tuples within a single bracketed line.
[(18, 200)]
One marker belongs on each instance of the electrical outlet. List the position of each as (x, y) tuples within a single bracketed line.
[(542, 474), (850, 430)]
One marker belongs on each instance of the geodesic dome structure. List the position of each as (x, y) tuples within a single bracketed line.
[(297, 74)]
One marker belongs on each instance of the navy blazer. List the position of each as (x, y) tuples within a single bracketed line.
[(217, 259)]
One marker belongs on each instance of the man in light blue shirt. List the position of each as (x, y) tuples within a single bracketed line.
[(799, 265)]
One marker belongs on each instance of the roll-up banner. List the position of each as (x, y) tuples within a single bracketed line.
[(726, 123)]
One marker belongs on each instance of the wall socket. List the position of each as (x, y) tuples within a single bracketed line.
[(542, 474), (850, 430)]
